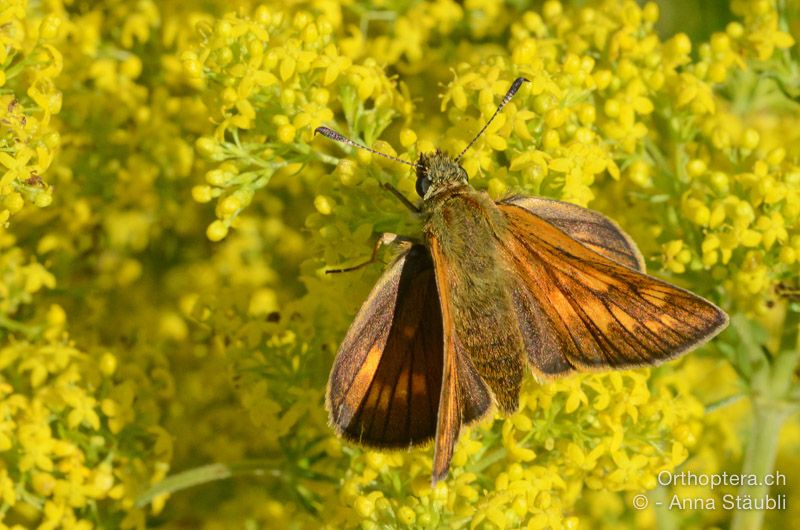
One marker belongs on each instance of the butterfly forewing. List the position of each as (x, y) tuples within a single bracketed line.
[(577, 304), (385, 384), (592, 229)]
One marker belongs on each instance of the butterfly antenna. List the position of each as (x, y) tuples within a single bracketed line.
[(510, 94), (333, 135)]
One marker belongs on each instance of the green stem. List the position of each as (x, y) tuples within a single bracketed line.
[(328, 159), (14, 326), (13, 71), (204, 474), (724, 402), (771, 385), (759, 461)]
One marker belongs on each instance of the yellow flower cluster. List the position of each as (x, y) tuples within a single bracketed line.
[(279, 72), (144, 334), (29, 62), (583, 434), (70, 435)]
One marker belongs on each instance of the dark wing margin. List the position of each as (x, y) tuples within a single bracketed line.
[(386, 380), (579, 309), (594, 230)]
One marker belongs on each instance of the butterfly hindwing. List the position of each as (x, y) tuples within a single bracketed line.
[(579, 309), (386, 380)]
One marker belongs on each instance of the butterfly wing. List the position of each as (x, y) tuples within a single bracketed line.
[(593, 229), (391, 369), (386, 380), (578, 308)]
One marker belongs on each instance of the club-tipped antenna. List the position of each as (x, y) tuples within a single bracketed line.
[(510, 94), (333, 135)]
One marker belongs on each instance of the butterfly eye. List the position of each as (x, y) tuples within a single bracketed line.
[(422, 185)]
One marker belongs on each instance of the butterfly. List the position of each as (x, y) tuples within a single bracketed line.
[(494, 288)]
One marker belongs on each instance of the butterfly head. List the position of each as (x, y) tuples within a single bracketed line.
[(436, 171)]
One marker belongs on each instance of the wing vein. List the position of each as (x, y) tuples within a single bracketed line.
[(596, 333), (548, 272)]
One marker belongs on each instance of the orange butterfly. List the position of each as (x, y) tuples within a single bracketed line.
[(449, 328)]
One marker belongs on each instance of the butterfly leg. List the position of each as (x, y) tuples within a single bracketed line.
[(402, 198), (387, 238)]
